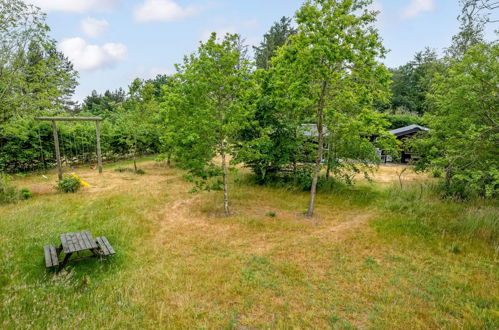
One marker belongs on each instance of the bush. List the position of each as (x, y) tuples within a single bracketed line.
[(8, 192), (436, 173), (25, 193), (69, 185)]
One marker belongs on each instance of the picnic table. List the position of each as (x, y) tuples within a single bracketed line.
[(78, 243)]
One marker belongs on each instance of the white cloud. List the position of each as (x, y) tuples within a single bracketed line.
[(87, 57), (416, 7), (75, 6), (162, 10), (93, 27)]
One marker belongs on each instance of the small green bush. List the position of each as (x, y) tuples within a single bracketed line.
[(25, 193), (140, 171), (271, 214), (436, 173), (69, 185), (8, 192)]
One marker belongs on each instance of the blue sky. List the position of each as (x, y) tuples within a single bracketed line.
[(111, 42)]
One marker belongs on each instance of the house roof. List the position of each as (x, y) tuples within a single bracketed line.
[(408, 130)]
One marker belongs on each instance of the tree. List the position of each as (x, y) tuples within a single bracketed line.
[(33, 74), (411, 82), (464, 123), (137, 119), (104, 105), (208, 106), (329, 71), (475, 15), (277, 36)]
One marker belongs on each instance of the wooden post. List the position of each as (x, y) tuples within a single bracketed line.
[(99, 155), (57, 151)]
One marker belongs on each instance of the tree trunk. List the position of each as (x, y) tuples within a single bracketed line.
[(328, 170), (169, 159), (135, 156), (448, 176), (225, 181), (318, 160)]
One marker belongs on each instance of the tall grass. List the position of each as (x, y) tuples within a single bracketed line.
[(420, 210)]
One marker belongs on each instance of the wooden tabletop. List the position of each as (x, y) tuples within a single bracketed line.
[(79, 241)]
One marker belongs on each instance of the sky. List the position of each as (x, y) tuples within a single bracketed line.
[(112, 42)]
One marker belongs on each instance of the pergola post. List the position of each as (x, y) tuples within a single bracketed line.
[(57, 151), (99, 155)]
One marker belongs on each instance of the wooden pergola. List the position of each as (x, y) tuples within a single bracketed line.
[(56, 138)]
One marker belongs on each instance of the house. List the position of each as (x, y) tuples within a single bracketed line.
[(403, 134), (311, 133)]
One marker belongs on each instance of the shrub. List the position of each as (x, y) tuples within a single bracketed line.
[(8, 192), (436, 173), (25, 193), (69, 185)]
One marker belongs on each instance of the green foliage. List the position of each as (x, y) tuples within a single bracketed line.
[(34, 75), (463, 139), (411, 82), (326, 74), (475, 14), (207, 106), (418, 211), (8, 192), (106, 105), (27, 145), (277, 36), (25, 193), (436, 172), (398, 120), (68, 185)]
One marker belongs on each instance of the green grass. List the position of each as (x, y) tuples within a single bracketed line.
[(373, 258)]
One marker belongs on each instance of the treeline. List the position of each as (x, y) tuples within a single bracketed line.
[(314, 105)]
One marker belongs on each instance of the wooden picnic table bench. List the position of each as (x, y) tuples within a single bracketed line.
[(76, 243)]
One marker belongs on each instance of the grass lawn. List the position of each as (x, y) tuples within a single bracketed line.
[(375, 256)]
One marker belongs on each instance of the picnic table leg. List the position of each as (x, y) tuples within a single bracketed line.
[(59, 249), (65, 261), (95, 253)]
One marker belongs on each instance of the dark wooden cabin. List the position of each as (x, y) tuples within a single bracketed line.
[(403, 133)]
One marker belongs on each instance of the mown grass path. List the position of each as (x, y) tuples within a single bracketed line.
[(370, 259)]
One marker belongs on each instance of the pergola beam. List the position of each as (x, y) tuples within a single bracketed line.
[(68, 118), (56, 138)]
